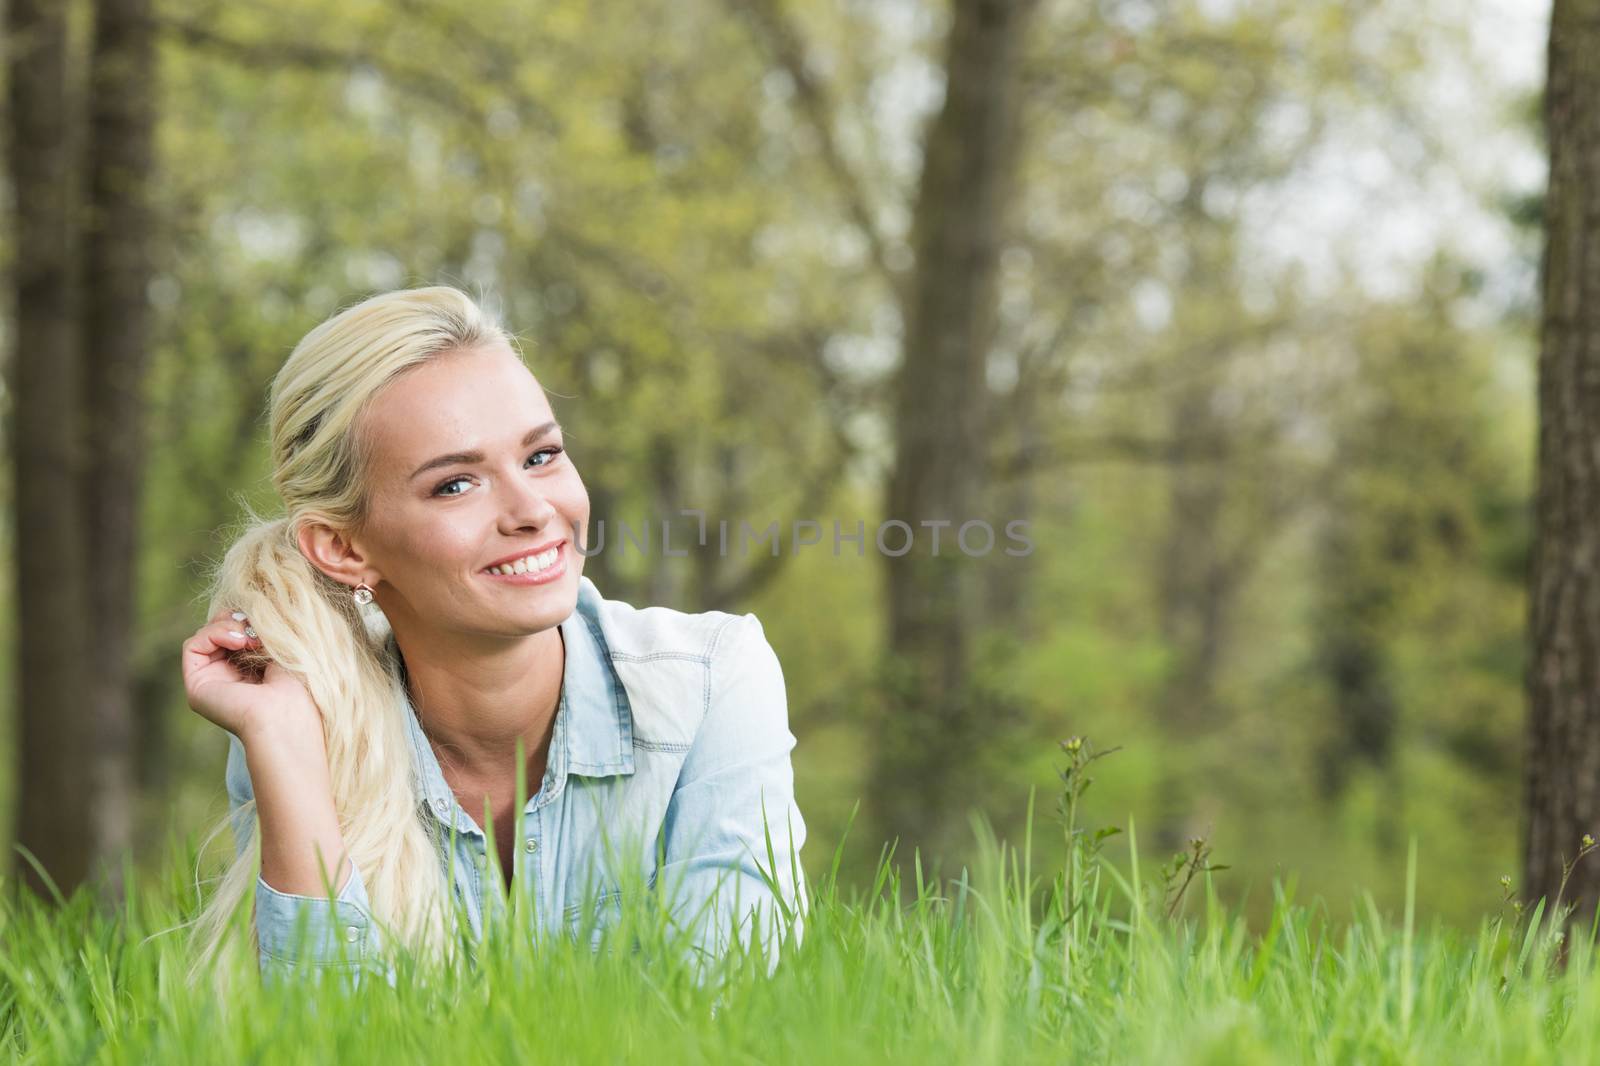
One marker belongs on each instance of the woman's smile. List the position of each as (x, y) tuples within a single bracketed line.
[(532, 568)]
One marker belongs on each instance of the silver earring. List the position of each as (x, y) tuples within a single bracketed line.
[(362, 594)]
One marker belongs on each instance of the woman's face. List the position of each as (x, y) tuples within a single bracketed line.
[(468, 469)]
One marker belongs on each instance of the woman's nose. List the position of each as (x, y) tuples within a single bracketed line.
[(526, 503)]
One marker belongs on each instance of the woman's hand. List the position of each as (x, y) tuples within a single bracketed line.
[(231, 681)]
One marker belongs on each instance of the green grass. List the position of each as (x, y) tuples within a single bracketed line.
[(1026, 957)]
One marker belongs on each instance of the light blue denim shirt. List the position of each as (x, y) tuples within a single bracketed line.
[(671, 733)]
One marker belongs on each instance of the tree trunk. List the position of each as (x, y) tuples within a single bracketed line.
[(663, 578), (1197, 596), (1563, 739), (54, 820), (929, 732), (117, 271)]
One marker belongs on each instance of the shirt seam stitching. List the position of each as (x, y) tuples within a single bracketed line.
[(661, 745)]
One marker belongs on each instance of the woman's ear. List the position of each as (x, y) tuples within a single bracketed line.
[(334, 553)]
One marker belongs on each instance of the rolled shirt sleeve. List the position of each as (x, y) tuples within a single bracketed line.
[(294, 932), (732, 822)]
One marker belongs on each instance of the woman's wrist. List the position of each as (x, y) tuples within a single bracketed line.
[(293, 734)]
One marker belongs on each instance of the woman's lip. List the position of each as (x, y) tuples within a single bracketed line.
[(540, 577), (525, 555)]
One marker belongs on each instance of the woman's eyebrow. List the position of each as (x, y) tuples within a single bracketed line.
[(477, 456)]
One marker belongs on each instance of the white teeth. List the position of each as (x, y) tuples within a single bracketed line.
[(528, 563)]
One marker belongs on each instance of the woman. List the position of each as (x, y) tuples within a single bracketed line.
[(382, 653)]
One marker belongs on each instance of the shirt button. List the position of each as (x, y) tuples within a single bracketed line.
[(352, 934), (440, 805), (533, 845)]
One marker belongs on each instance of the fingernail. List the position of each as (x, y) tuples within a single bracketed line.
[(238, 616), (235, 633)]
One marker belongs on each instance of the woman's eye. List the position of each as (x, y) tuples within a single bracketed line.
[(550, 452)]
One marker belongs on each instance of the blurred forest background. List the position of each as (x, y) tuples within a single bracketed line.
[(1233, 301)]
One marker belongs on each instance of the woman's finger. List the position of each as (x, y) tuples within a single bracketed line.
[(214, 641)]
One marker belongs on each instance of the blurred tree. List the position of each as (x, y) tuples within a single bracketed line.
[(1154, 134), (1563, 739), (925, 741), (119, 239), (55, 810), (78, 445), (1411, 512)]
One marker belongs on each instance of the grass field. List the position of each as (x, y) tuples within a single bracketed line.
[(1041, 952)]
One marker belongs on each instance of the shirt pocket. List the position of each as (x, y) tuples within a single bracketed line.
[(587, 922)]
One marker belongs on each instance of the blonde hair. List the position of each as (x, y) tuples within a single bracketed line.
[(314, 629)]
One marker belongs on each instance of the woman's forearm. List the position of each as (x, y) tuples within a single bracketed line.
[(294, 801)]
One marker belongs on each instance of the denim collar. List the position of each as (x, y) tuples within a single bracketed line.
[(593, 733)]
